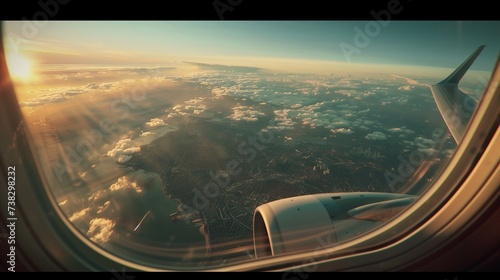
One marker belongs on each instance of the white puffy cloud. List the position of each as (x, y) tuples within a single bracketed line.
[(100, 230), (282, 121), (104, 207), (377, 135), (342, 130), (410, 80), (338, 122), (193, 106), (245, 113), (55, 95), (63, 202), (122, 150), (219, 92), (403, 131), (44, 99), (103, 86), (79, 214), (406, 88), (147, 133), (96, 195), (299, 99), (123, 158), (125, 183), (424, 143), (93, 86), (345, 92), (155, 122)]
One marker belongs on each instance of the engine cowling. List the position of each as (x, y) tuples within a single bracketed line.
[(305, 222)]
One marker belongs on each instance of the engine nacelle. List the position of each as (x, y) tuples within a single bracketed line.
[(306, 222)]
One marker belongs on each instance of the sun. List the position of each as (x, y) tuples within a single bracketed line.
[(19, 66)]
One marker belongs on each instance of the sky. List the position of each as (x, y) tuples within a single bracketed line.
[(322, 44)]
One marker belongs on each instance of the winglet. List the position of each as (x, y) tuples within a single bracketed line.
[(455, 106), (457, 75)]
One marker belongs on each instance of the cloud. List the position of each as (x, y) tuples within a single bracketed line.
[(96, 195), (93, 86), (338, 122), (403, 131), (100, 230), (122, 150), (410, 81), (72, 92), (300, 99), (124, 183), (342, 130), (192, 106), (377, 135), (147, 133), (281, 121), (221, 67), (406, 88), (61, 77), (155, 122), (103, 86), (123, 158), (104, 207), (79, 214), (62, 94), (424, 143), (111, 79), (219, 92), (245, 113), (47, 98), (143, 70), (195, 106), (428, 151), (86, 75), (345, 92), (63, 202)]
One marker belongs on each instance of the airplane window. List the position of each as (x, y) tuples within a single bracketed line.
[(191, 145)]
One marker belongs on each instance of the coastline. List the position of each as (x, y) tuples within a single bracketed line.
[(201, 229)]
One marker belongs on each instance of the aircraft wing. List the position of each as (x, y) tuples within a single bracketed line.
[(455, 106)]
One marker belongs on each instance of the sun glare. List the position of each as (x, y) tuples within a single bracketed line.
[(19, 66)]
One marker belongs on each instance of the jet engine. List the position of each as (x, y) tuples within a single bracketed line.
[(304, 222)]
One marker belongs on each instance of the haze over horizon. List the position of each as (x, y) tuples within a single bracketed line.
[(318, 47)]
